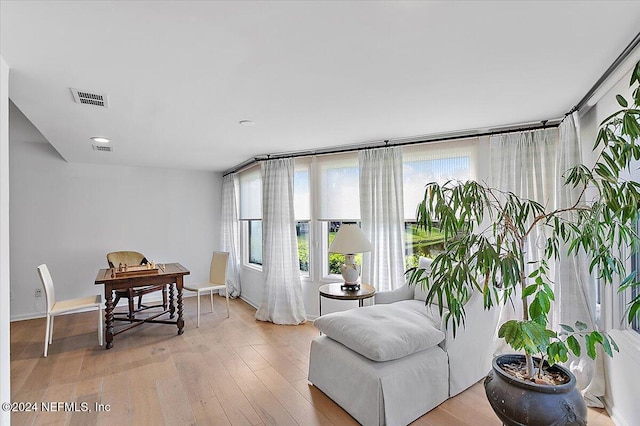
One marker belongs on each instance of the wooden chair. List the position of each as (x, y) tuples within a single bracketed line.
[(57, 307), (217, 280), (132, 258)]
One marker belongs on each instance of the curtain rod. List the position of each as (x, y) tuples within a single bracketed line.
[(621, 58), (616, 63), (398, 142)]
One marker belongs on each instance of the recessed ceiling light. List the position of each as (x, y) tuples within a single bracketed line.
[(100, 139), (247, 123)]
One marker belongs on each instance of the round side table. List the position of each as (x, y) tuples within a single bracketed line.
[(334, 291)]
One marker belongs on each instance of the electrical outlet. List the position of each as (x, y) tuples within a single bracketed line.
[(38, 292)]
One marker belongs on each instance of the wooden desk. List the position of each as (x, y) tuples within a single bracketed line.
[(334, 291), (173, 275)]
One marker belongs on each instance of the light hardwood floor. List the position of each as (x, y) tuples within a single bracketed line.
[(229, 371)]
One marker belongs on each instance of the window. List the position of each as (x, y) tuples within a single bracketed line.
[(302, 209), (339, 187), (336, 200), (423, 164), (251, 212), (255, 242), (339, 201), (302, 233), (420, 242)]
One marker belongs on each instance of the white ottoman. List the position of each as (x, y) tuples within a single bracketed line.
[(391, 393)]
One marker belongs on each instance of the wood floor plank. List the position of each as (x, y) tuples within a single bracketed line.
[(296, 405), (465, 412), (251, 357), (280, 362), (229, 371), (176, 409), (190, 367), (209, 412), (33, 396), (323, 403), (235, 404), (61, 392), (145, 407), (269, 409), (116, 405)]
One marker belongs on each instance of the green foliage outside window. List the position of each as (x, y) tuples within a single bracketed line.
[(420, 242)]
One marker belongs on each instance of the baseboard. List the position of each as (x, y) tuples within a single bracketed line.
[(150, 298), (255, 305), (614, 415), (623, 413), (249, 301), (153, 297), (29, 316)]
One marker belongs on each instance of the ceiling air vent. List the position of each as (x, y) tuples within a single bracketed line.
[(102, 148), (88, 98)]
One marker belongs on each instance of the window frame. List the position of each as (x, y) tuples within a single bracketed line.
[(306, 275), (247, 215)]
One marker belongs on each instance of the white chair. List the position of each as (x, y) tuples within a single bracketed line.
[(65, 306), (217, 280)]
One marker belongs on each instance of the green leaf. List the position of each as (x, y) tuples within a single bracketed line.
[(633, 310), (567, 328), (529, 290), (607, 346), (574, 345), (628, 281), (545, 304), (581, 326), (622, 101), (591, 346)]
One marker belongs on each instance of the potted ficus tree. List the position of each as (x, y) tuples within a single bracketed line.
[(491, 259)]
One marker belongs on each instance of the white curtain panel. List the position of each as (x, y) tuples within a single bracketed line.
[(574, 287), (524, 163), (282, 291), (382, 216), (231, 233)]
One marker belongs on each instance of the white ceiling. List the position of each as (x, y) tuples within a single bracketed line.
[(181, 75)]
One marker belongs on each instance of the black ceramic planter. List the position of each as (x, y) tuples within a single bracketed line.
[(517, 402)]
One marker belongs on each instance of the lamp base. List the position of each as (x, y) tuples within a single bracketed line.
[(350, 287)]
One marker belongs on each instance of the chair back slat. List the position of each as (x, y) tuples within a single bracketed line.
[(47, 283), (219, 264)]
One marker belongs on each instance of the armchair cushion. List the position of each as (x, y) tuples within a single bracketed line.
[(419, 292), (383, 332)]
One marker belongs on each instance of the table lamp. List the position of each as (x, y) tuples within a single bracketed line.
[(348, 241)]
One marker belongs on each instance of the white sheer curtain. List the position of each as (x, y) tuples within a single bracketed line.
[(382, 216), (574, 287), (231, 233), (282, 292), (524, 163)]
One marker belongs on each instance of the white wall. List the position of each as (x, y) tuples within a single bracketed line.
[(623, 370), (5, 364), (70, 216)]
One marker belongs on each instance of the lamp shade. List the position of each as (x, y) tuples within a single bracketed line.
[(349, 240)]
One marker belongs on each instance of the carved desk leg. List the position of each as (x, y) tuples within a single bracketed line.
[(172, 307), (180, 321), (108, 295)]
